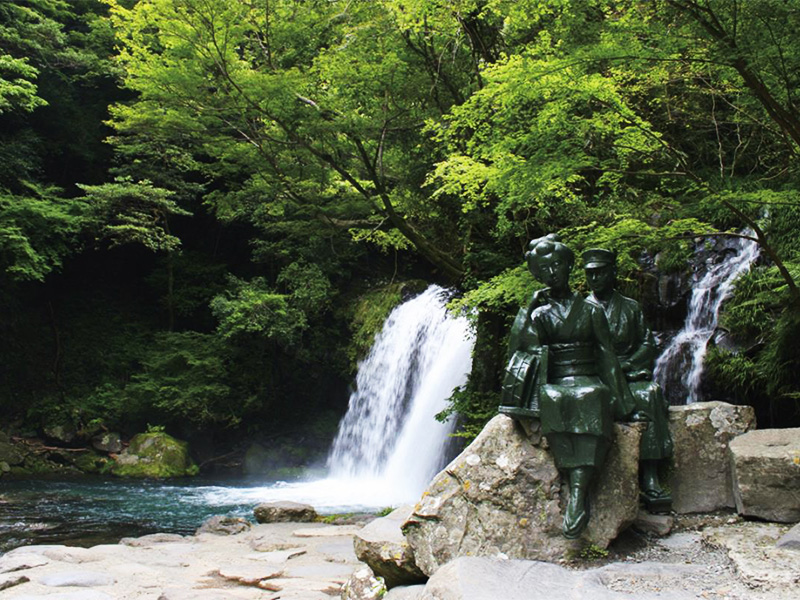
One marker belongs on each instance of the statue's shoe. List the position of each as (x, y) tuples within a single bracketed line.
[(656, 500)]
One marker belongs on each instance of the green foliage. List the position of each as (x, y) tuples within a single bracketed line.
[(255, 308), (185, 378), (134, 212), (472, 409), (38, 231), (369, 314)]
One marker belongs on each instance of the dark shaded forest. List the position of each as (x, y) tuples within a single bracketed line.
[(207, 207)]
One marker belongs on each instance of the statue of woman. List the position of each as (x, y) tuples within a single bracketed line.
[(584, 388)]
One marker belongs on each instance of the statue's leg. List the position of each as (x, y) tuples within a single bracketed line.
[(655, 446), (576, 515)]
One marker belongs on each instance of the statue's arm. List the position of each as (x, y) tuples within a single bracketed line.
[(646, 351), (609, 368)]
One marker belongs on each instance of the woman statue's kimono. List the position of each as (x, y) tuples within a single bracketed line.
[(582, 389)]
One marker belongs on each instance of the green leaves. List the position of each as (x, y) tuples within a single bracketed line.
[(38, 230)]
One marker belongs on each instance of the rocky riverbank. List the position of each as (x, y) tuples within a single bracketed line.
[(714, 557)]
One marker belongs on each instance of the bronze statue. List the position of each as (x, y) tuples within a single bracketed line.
[(636, 351), (563, 369)]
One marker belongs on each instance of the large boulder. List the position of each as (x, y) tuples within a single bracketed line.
[(700, 480), (156, 455), (383, 547), (502, 496), (765, 465)]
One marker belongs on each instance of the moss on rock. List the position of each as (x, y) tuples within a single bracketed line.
[(155, 455)]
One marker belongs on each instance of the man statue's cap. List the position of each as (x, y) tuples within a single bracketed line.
[(594, 258)]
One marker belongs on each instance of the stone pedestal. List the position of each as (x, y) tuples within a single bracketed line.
[(765, 467), (502, 497), (700, 480)]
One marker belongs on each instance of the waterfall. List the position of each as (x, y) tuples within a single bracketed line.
[(389, 432), (680, 367)]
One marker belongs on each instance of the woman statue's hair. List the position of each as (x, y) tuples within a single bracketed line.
[(546, 245)]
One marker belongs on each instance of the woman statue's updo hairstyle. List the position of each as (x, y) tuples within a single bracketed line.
[(544, 246)]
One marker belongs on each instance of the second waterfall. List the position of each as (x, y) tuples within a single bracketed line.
[(389, 432)]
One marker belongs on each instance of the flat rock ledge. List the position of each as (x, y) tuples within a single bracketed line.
[(291, 561), (502, 497)]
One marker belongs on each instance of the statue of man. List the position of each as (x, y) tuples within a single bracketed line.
[(563, 369), (636, 350)]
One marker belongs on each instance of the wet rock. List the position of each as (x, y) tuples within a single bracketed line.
[(383, 547), (224, 525), (154, 455), (700, 480), (363, 585), (282, 512), (108, 442), (766, 474), (77, 579), (502, 497)]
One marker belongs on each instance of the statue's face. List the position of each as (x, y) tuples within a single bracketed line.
[(601, 279), (553, 270)]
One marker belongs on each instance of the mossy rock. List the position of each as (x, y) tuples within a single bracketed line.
[(155, 455), (93, 462)]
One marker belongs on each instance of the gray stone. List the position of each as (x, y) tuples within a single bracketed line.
[(700, 480), (21, 562), (79, 595), (153, 538), (108, 442), (758, 561), (658, 525), (469, 578), (383, 547), (282, 512), (502, 497), (791, 539), (195, 594), (766, 474), (405, 592), (224, 525), (363, 585), (77, 579), (10, 580)]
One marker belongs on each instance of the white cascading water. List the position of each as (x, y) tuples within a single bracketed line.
[(389, 432), (389, 444), (681, 363)]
